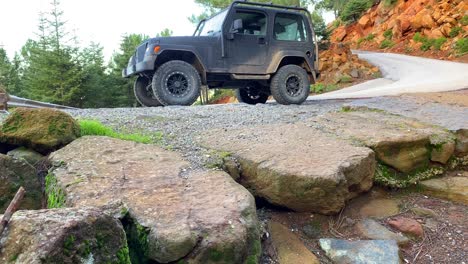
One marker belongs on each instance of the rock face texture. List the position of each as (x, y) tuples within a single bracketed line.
[(295, 166), (27, 155), (452, 188), (361, 252), (371, 229), (400, 21), (63, 236), (172, 214), (55, 129), (15, 173), (289, 247), (402, 143)]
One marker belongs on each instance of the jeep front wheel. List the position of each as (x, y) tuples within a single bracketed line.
[(144, 93), (251, 95), (290, 85), (176, 83)]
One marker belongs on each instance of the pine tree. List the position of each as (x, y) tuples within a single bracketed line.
[(53, 72), (123, 92)]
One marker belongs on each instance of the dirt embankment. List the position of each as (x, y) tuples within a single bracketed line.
[(428, 28)]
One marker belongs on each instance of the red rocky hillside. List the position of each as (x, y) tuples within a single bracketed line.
[(430, 28)]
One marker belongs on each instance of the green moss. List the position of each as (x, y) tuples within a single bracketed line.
[(321, 88), (255, 252), (123, 256), (55, 195), (96, 128), (14, 258), (386, 176), (217, 159)]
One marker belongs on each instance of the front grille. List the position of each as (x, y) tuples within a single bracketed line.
[(140, 53)]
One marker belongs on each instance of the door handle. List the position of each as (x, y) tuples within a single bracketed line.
[(261, 40)]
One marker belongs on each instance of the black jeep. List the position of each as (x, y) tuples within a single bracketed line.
[(258, 49)]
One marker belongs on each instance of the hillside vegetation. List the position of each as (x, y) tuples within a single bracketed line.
[(430, 28)]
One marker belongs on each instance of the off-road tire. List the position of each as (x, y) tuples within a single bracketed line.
[(144, 96), (176, 72), (282, 92), (243, 96)]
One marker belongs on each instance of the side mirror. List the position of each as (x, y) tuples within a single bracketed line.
[(238, 25)]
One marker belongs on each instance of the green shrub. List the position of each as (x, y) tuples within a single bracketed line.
[(390, 2), (455, 31), (461, 46), (388, 34), (322, 88), (464, 20), (386, 44), (427, 44), (439, 42), (418, 38), (96, 128), (369, 37), (354, 9)]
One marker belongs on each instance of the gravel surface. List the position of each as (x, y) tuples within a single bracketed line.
[(181, 125)]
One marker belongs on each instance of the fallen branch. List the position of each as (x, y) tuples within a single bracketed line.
[(11, 209)]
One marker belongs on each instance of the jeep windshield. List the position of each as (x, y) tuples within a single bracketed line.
[(212, 26)]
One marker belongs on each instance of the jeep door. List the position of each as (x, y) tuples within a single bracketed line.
[(247, 49)]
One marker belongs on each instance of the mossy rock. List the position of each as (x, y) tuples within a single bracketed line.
[(43, 130), (15, 173)]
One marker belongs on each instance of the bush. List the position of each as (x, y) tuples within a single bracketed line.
[(455, 31), (464, 20), (386, 44), (427, 44), (417, 37), (439, 42), (354, 8), (461, 46), (369, 37), (390, 2), (388, 34)]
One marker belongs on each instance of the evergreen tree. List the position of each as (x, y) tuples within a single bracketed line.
[(53, 71), (123, 88), (5, 67)]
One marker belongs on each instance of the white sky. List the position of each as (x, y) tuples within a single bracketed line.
[(101, 21)]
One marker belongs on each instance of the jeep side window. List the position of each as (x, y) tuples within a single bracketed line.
[(254, 23), (289, 27)]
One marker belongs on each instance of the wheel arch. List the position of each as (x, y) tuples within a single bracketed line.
[(296, 59), (184, 55)]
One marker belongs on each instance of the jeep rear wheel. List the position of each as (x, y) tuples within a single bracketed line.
[(290, 85), (176, 83), (144, 93), (251, 95)]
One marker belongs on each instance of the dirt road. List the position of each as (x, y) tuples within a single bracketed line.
[(404, 74)]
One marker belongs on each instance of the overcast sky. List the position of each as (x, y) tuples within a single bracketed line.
[(101, 21)]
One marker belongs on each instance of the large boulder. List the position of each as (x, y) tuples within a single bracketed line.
[(361, 252), (402, 143), (75, 235), (43, 130), (295, 166), (15, 173), (171, 213)]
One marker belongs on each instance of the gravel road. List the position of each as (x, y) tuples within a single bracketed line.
[(405, 74), (181, 125)]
